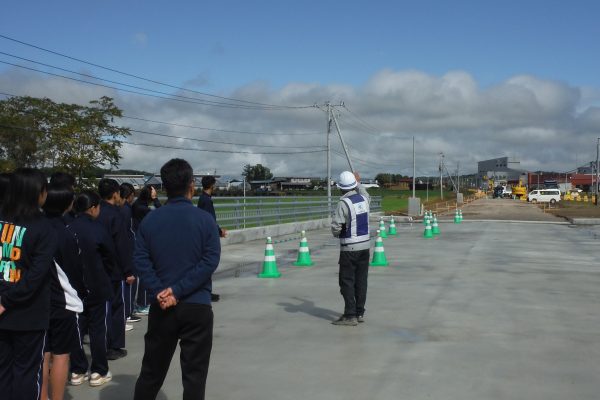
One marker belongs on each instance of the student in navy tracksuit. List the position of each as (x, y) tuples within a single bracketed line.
[(205, 202), (177, 250), (67, 290), (139, 209), (4, 179), (98, 263), (28, 246), (111, 218), (127, 193)]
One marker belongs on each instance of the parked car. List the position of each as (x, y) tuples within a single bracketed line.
[(544, 196)]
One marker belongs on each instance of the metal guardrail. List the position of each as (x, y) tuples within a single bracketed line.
[(247, 212)]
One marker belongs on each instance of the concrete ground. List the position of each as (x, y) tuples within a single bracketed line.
[(487, 310)]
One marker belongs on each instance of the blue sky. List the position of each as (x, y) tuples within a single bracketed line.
[(379, 56), (230, 43)]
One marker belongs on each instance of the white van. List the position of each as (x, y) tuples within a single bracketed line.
[(544, 196)]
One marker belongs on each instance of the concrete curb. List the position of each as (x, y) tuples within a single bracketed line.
[(584, 221), (250, 234)]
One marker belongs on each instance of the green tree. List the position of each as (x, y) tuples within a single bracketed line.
[(256, 172), (74, 138)]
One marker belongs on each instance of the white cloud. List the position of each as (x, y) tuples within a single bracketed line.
[(543, 123)]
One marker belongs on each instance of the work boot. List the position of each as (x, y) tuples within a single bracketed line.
[(360, 318), (346, 321)]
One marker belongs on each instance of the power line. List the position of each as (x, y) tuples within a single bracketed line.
[(204, 128), (207, 102), (179, 148), (202, 102), (219, 151), (140, 77), (222, 130), (219, 142)]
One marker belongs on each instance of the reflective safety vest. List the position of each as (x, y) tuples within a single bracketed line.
[(357, 229)]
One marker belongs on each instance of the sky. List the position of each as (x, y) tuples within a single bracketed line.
[(473, 80)]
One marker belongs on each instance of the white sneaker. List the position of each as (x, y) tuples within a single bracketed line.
[(128, 327), (98, 380), (78, 379)]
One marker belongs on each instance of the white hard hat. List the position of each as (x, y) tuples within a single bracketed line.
[(347, 181)]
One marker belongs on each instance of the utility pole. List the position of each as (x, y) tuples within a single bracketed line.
[(329, 157), (337, 127), (597, 171), (414, 167), (441, 176)]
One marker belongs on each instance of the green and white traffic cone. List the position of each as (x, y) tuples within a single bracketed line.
[(303, 253), (435, 228), (382, 229), (393, 231), (425, 217), (460, 215), (456, 217), (270, 264), (379, 259), (427, 234)]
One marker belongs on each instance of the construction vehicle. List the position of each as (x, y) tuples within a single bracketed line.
[(519, 191)]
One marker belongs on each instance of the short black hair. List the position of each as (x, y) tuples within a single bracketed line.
[(107, 187), (86, 200), (145, 194), (126, 189), (176, 175), (60, 197), (62, 178), (208, 181), (22, 199)]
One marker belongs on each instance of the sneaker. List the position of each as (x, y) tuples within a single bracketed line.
[(133, 318), (115, 354), (360, 319), (142, 310), (346, 321), (128, 327), (78, 379), (98, 380)]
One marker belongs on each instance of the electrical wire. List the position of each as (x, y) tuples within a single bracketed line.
[(206, 102), (222, 130), (201, 102), (219, 142), (220, 151), (142, 78), (205, 128), (180, 148)]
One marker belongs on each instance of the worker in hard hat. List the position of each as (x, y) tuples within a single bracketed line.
[(350, 222)]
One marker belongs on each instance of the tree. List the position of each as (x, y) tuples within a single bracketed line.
[(256, 172), (77, 139)]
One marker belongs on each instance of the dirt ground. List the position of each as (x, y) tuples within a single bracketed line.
[(507, 209), (570, 209)]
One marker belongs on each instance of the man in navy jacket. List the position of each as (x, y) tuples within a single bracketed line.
[(176, 252)]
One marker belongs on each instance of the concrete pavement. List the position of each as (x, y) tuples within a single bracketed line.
[(488, 310)]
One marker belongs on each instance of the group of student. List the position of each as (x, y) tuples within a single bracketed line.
[(66, 271)]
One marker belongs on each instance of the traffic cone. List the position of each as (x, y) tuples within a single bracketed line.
[(303, 253), (427, 234), (379, 259), (435, 228), (393, 231), (460, 215), (270, 264), (425, 217), (382, 230), (456, 217)]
